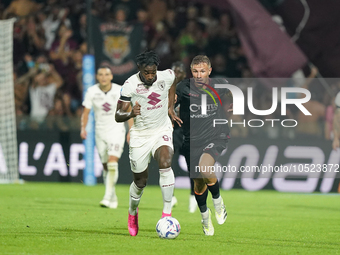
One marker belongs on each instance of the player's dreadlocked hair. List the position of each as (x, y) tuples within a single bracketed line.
[(147, 58)]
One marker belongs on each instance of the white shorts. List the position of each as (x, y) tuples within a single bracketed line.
[(142, 148), (111, 145)]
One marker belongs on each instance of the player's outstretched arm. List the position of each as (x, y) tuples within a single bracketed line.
[(123, 114), (83, 122)]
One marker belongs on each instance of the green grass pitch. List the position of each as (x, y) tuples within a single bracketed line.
[(58, 218)]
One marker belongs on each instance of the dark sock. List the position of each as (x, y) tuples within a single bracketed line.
[(202, 201), (192, 192), (214, 190)]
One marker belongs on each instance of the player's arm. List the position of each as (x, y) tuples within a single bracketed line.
[(130, 123), (172, 113), (83, 122), (124, 111)]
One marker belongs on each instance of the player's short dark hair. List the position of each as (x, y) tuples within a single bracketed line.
[(147, 58), (200, 59), (178, 64), (104, 67)]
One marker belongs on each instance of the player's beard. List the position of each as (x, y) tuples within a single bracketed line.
[(146, 82)]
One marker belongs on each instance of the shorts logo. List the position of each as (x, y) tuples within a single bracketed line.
[(106, 107), (166, 138), (154, 98), (209, 146), (161, 85)]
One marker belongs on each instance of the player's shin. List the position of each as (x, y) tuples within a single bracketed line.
[(201, 199), (111, 180), (167, 184), (135, 196)]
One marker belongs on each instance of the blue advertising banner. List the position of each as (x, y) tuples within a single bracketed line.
[(88, 81)]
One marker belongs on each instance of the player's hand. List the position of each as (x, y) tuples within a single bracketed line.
[(174, 117), (128, 137), (135, 110), (83, 133), (230, 108), (335, 144)]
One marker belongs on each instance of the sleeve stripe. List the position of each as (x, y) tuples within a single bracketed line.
[(126, 99)]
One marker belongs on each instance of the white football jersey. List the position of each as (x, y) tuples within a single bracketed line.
[(153, 100), (104, 107)]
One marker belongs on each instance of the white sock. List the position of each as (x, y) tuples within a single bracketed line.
[(167, 184), (111, 180), (135, 195), (104, 176), (205, 216), (217, 204)]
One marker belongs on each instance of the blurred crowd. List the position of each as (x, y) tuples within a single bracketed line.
[(50, 41)]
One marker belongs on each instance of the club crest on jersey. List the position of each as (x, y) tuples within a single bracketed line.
[(161, 85), (141, 89)]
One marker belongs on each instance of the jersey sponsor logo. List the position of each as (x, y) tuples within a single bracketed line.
[(210, 107), (193, 95), (141, 89), (161, 85), (106, 107), (154, 98), (154, 107)]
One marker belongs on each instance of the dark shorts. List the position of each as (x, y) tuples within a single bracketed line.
[(193, 154)]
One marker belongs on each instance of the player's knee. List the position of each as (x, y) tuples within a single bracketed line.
[(140, 182), (164, 162), (199, 184)]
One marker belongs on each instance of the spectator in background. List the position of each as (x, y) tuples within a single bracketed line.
[(131, 5), (21, 8), (161, 44), (148, 28), (80, 34), (33, 37), (188, 39), (41, 94), (220, 67), (120, 14), (170, 22), (310, 125), (207, 19), (52, 23), (56, 116), (156, 10), (73, 87), (62, 50)]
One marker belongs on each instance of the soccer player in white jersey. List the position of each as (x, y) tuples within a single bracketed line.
[(110, 135), (152, 95)]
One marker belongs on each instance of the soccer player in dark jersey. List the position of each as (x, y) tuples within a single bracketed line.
[(180, 72), (203, 143)]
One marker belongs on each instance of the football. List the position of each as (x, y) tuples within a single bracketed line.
[(168, 227)]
